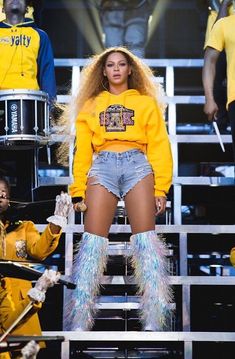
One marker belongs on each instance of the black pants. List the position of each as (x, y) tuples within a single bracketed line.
[(231, 116), (220, 92)]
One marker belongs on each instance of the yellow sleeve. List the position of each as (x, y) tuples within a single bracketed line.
[(82, 159), (159, 151), (210, 22), (216, 37), (40, 246), (9, 311)]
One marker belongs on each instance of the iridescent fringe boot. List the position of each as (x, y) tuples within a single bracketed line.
[(150, 269), (88, 268)]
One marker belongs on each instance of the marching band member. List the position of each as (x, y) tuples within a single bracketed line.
[(26, 57), (21, 240)]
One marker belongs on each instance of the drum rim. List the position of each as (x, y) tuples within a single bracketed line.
[(23, 92), (23, 138)]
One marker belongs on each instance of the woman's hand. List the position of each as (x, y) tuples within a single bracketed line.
[(80, 206), (160, 202)]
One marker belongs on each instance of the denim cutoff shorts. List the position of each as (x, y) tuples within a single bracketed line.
[(119, 172)]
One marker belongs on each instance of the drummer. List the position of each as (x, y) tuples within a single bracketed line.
[(26, 57)]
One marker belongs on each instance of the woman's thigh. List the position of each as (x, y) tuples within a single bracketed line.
[(140, 205), (101, 206)]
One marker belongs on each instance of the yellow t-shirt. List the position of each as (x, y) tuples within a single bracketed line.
[(29, 14), (211, 20), (222, 38)]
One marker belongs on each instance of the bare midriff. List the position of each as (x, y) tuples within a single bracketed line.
[(120, 146)]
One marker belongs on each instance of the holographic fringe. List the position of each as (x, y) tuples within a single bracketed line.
[(89, 264), (151, 272)]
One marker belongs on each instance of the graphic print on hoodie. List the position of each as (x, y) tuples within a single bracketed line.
[(116, 118)]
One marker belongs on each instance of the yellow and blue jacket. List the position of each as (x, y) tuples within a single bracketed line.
[(26, 58)]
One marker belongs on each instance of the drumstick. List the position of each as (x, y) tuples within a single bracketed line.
[(17, 321), (26, 203)]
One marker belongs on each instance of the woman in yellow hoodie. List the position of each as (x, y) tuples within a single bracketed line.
[(122, 150)]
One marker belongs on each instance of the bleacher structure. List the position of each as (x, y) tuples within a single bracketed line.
[(117, 332)]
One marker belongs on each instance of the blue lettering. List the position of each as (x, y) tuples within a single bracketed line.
[(21, 40)]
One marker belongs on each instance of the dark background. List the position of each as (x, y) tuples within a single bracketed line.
[(179, 34)]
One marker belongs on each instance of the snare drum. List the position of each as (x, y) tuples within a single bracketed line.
[(24, 117)]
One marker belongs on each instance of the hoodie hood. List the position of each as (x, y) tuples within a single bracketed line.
[(130, 92), (107, 98)]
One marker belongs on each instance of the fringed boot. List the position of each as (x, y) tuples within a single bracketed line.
[(89, 265), (150, 268)]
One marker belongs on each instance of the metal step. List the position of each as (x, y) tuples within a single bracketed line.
[(124, 249), (180, 138), (121, 302), (199, 138), (125, 337), (174, 280), (193, 181), (162, 228)]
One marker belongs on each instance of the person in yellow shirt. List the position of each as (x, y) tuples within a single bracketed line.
[(119, 120), (221, 38), (217, 10), (26, 55), (19, 241)]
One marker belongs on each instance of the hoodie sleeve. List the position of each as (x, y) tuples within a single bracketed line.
[(40, 246), (159, 151), (46, 69), (82, 159)]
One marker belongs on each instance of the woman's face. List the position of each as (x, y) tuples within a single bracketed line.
[(117, 69), (4, 197)]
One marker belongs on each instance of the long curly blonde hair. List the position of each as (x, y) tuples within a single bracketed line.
[(93, 82)]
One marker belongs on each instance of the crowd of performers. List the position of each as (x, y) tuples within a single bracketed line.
[(122, 151)]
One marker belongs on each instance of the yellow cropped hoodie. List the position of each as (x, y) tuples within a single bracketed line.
[(129, 118)]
